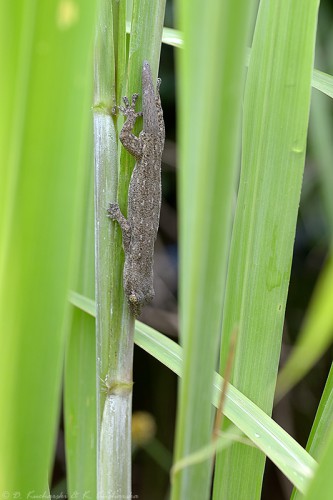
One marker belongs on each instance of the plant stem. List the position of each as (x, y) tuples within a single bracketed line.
[(114, 325)]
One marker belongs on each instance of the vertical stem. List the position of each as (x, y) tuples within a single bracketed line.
[(114, 325)]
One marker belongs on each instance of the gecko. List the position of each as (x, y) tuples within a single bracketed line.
[(139, 230)]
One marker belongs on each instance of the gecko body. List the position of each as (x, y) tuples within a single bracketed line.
[(140, 228)]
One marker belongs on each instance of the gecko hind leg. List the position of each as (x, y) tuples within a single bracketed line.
[(114, 213)]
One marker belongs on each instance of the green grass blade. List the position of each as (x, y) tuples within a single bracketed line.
[(46, 118), (321, 130), (211, 67), (288, 455), (266, 434), (322, 484), (275, 442), (80, 407), (320, 80), (315, 335), (172, 37), (223, 441), (323, 82), (80, 362), (81, 302), (320, 436), (323, 421), (276, 110), (317, 330)]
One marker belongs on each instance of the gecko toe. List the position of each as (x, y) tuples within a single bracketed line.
[(134, 99), (113, 210)]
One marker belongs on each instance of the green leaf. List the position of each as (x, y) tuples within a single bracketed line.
[(323, 82), (320, 80), (211, 70), (276, 109), (44, 93), (322, 484), (266, 434), (80, 361), (319, 442), (320, 138), (317, 329), (315, 336)]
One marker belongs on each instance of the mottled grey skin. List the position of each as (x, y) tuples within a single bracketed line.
[(144, 195)]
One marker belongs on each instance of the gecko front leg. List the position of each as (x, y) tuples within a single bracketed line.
[(114, 213), (131, 142)]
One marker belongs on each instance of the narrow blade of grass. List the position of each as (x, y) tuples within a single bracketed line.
[(211, 67), (276, 110), (319, 442), (80, 361), (317, 330), (322, 484), (315, 336), (320, 80), (46, 121), (320, 132), (266, 434)]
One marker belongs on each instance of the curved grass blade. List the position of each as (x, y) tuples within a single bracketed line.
[(266, 434), (320, 80)]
